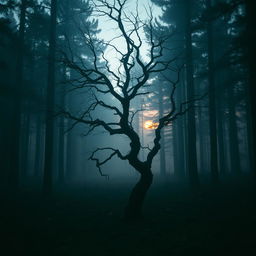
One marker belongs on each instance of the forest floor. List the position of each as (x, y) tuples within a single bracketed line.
[(87, 220)]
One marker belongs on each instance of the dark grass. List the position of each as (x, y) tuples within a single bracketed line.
[(87, 220)]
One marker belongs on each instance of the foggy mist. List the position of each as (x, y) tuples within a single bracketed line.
[(128, 127)]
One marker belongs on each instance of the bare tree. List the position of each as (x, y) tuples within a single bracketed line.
[(123, 84)]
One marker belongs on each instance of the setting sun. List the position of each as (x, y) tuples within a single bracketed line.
[(150, 125)]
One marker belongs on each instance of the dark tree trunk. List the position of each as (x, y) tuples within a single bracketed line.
[(176, 162), (201, 138), (69, 153), (178, 139), (133, 209), (233, 134), (249, 132), (39, 146), (220, 122), (191, 124), (14, 168), (61, 151), (65, 141), (162, 150), (25, 144), (162, 157), (212, 102), (49, 133), (251, 39)]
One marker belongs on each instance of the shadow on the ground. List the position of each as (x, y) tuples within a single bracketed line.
[(87, 220)]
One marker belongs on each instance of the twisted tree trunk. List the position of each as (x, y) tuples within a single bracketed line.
[(133, 209)]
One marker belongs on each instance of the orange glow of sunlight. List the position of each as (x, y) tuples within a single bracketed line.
[(150, 125)]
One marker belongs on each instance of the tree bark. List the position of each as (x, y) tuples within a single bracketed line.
[(133, 209), (39, 146), (49, 134), (14, 168), (220, 122), (212, 102), (233, 134), (178, 138), (162, 150), (201, 138), (61, 151), (251, 39), (25, 144), (191, 124)]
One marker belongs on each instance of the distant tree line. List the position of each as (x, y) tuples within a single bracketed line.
[(33, 35), (215, 42)]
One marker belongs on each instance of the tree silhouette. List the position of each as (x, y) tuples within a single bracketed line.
[(123, 86)]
